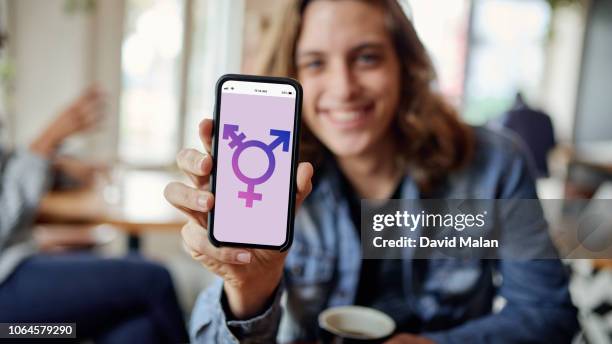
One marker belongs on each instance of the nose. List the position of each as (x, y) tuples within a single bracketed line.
[(341, 83)]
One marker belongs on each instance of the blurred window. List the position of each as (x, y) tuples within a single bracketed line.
[(484, 51), (151, 83), (199, 101), (507, 54), (442, 25)]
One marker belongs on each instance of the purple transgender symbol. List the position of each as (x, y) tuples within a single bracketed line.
[(237, 140)]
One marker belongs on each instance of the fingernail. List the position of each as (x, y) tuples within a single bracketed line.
[(203, 202), (244, 257)]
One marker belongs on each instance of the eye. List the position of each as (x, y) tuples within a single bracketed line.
[(313, 64), (368, 59)]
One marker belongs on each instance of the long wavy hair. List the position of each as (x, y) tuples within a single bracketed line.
[(431, 139)]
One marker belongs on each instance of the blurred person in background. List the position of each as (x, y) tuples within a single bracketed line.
[(373, 128), (110, 300)]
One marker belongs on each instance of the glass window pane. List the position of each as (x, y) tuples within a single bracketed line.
[(151, 62), (216, 49), (442, 25), (507, 55), (199, 100)]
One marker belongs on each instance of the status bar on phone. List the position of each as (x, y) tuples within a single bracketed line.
[(258, 88)]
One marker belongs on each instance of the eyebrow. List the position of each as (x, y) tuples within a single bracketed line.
[(362, 46)]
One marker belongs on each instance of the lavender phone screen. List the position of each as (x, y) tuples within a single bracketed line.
[(256, 133)]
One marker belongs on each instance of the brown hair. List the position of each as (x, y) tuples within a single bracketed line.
[(431, 138)]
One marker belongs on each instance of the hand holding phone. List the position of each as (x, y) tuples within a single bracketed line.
[(250, 275)]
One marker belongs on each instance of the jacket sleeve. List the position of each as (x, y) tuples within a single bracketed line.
[(24, 179), (209, 323), (538, 305), (538, 309)]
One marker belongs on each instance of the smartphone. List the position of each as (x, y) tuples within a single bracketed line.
[(255, 154)]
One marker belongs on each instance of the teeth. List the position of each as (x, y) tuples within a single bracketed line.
[(345, 116)]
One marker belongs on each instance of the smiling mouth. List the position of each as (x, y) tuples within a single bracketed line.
[(349, 118)]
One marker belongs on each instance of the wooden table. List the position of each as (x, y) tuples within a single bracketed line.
[(130, 200), (596, 154), (591, 160)]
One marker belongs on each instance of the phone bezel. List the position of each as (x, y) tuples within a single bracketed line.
[(294, 157)]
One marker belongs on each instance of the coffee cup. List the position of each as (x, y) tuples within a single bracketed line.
[(355, 324)]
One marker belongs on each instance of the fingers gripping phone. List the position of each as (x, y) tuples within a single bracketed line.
[(255, 148)]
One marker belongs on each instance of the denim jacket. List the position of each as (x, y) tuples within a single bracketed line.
[(323, 265)]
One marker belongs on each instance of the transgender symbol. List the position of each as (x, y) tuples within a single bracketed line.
[(230, 131)]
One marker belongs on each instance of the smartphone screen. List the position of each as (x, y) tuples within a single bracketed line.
[(254, 153)]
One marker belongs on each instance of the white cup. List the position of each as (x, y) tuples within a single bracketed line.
[(355, 324)]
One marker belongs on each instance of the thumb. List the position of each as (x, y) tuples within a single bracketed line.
[(305, 172)]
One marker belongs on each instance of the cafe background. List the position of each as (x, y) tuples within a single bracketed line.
[(158, 60)]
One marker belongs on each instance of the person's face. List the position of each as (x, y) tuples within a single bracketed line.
[(350, 74)]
